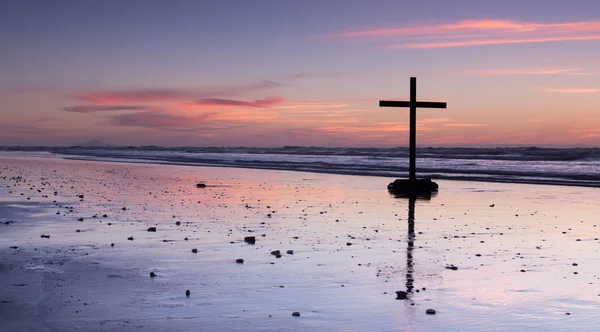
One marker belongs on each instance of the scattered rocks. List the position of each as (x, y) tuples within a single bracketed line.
[(296, 314), (152, 229), (250, 239), (430, 311), (239, 261), (401, 295)]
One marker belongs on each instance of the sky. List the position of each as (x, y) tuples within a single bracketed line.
[(305, 73)]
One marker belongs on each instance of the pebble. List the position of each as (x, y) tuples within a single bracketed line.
[(152, 274), (430, 311), (290, 252), (296, 314), (401, 295), (130, 238), (239, 261), (195, 251), (187, 293), (200, 185), (250, 239), (152, 229), (45, 236)]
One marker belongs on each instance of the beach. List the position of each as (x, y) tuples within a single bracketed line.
[(493, 256)]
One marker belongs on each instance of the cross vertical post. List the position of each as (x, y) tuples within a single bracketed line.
[(412, 173)]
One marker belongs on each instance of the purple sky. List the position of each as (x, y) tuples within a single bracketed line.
[(273, 73)]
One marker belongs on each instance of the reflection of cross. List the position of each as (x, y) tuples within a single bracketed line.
[(413, 104)]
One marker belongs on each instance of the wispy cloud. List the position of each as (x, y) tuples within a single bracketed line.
[(259, 103), (572, 90), (170, 95), (523, 71), (105, 108), (479, 32), (465, 125), (166, 121)]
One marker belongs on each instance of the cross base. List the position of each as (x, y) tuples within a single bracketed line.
[(413, 187)]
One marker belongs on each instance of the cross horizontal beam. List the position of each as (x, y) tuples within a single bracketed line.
[(420, 104)]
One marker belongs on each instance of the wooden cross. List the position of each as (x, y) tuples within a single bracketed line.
[(413, 104)]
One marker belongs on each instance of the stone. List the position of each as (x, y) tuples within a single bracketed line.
[(250, 239), (290, 252), (130, 238), (276, 253), (239, 261), (401, 295), (195, 251), (45, 236), (452, 267), (200, 185), (187, 293), (152, 274), (152, 229), (178, 223), (296, 314), (430, 311)]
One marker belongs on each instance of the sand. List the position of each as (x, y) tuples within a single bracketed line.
[(526, 257)]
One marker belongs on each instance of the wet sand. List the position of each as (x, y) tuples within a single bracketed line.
[(525, 257)]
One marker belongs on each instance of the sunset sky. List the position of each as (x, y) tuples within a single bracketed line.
[(274, 73)]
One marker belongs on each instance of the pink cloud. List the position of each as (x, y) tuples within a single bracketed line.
[(170, 95), (465, 43), (159, 120), (522, 71), (481, 32), (572, 90), (259, 103), (105, 108), (465, 125)]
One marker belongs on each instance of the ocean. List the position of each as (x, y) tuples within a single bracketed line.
[(533, 165)]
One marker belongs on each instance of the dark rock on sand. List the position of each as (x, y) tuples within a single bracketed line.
[(152, 229), (152, 274), (430, 311), (296, 314), (80, 219), (195, 251), (452, 267), (250, 239), (130, 238), (401, 295), (239, 261), (178, 223), (187, 293), (200, 185), (45, 236), (290, 252), (275, 252)]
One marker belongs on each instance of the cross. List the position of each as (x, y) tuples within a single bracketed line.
[(413, 104)]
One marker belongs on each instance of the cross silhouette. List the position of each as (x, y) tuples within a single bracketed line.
[(413, 104)]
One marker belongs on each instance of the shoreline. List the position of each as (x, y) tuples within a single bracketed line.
[(351, 251)]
